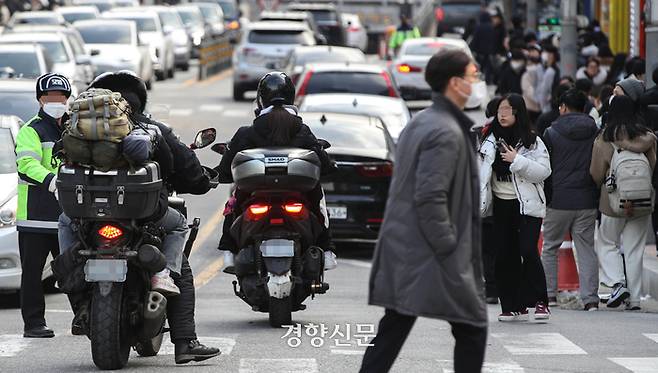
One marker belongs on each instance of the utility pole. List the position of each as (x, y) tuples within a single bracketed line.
[(651, 39), (569, 38), (531, 15)]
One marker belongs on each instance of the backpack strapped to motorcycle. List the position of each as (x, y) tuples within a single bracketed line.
[(99, 122), (629, 184)]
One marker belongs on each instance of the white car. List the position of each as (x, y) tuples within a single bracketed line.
[(173, 25), (357, 36), (302, 56), (101, 5), (392, 111), (25, 60), (408, 68), (10, 260), (114, 46), (213, 16), (78, 13), (41, 17), (150, 31), (194, 26), (264, 48)]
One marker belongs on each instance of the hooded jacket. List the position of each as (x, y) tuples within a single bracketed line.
[(569, 141), (602, 156)]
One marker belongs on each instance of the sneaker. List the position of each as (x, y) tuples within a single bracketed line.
[(229, 263), (552, 301), (330, 261), (164, 284), (633, 307), (542, 312), (592, 306), (513, 316), (193, 351), (618, 296)]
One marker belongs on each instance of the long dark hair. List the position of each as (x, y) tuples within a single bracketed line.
[(623, 120), (283, 126), (521, 130)]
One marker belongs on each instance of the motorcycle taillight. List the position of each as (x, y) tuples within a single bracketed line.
[(257, 211), (110, 232)]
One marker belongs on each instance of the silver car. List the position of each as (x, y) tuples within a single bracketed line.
[(214, 18), (101, 5), (150, 31), (36, 18), (78, 13), (265, 47), (194, 25), (24, 60), (115, 46), (173, 26)]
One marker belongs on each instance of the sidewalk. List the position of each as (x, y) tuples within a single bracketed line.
[(650, 273)]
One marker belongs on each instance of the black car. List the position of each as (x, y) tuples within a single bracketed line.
[(328, 20), (356, 194)]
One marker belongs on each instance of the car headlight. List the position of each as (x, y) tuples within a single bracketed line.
[(8, 212), (197, 37), (6, 263)]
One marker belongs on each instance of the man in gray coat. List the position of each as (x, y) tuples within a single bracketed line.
[(428, 260)]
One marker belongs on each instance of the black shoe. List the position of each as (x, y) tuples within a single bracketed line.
[(592, 306), (618, 296), (492, 300), (39, 332), (194, 351)]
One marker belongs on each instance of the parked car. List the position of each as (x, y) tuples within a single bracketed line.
[(345, 78), (115, 46), (303, 55), (25, 60), (327, 18), (78, 13), (408, 68), (173, 26), (232, 22), (357, 37), (18, 98), (194, 25), (303, 17), (101, 5), (59, 50), (213, 16), (41, 17), (149, 30), (126, 3), (265, 47), (392, 111), (356, 193)]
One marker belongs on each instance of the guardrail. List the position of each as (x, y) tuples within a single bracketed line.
[(214, 57)]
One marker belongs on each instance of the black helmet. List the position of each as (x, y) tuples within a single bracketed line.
[(126, 82), (275, 88)]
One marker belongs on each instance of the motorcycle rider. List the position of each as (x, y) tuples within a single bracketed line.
[(277, 123), (182, 172)]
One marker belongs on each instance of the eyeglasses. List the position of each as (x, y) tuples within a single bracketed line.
[(473, 78), (506, 110)]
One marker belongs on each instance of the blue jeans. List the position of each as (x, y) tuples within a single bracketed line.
[(173, 222)]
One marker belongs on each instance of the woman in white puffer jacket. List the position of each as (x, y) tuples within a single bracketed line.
[(514, 163)]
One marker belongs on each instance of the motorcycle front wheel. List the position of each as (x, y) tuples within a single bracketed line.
[(108, 328), (280, 312)]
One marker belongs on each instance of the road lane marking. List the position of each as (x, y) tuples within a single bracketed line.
[(348, 352), (180, 112), (190, 82), (11, 344), (216, 78), (211, 107), (652, 336), (538, 344), (356, 263), (236, 113), (225, 344), (501, 367), (208, 273), (214, 223), (278, 366), (637, 364)]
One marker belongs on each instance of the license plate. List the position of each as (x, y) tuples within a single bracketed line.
[(337, 212), (106, 270), (277, 248)]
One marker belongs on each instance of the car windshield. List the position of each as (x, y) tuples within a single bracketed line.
[(348, 82), (24, 64), (324, 15), (427, 49), (56, 51), (170, 19), (350, 133), (143, 24), (280, 37), (105, 35), (21, 104), (102, 7), (72, 17), (190, 18), (328, 56), (38, 20), (229, 9), (7, 155), (210, 14)]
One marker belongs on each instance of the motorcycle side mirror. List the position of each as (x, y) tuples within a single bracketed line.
[(220, 148), (325, 144), (204, 138)]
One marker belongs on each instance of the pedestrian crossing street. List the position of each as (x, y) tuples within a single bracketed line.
[(517, 345)]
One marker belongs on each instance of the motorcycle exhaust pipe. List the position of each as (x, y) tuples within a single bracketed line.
[(151, 258), (155, 311)]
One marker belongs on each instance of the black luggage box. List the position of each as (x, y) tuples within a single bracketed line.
[(276, 168), (116, 194)]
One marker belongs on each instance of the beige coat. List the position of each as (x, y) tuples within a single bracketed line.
[(602, 156)]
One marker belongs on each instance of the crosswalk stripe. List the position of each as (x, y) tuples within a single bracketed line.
[(236, 113), (538, 344), (11, 344), (637, 364), (180, 112), (499, 367), (211, 107), (225, 344), (651, 336), (278, 366)]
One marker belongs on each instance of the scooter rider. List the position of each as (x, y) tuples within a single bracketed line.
[(183, 173), (277, 123)]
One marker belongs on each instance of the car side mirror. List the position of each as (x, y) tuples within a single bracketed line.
[(94, 52), (324, 143), (321, 39), (220, 148), (204, 138)]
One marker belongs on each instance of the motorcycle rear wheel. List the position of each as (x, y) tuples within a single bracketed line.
[(280, 312), (110, 343)]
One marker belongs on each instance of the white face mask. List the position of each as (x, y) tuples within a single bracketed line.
[(516, 65), (544, 57), (55, 109), (478, 91)]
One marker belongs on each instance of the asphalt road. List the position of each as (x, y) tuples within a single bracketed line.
[(573, 341)]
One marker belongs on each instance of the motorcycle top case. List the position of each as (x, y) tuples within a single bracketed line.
[(276, 168), (85, 193)]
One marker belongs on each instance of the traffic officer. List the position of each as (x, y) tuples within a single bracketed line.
[(38, 209), (405, 31)]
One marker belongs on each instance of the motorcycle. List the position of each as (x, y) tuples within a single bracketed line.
[(278, 267), (121, 252)]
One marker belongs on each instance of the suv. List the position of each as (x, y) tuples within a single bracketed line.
[(302, 17), (328, 19), (264, 48)]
